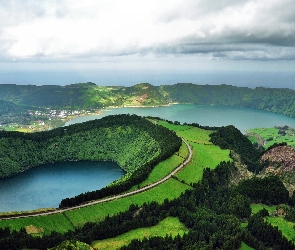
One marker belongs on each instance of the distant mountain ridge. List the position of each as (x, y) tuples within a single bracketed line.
[(89, 95)]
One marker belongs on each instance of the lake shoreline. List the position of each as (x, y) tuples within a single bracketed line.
[(108, 109), (205, 115)]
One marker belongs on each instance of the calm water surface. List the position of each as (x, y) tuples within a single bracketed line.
[(242, 118), (45, 186)]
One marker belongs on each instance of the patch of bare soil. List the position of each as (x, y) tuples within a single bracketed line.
[(31, 229), (281, 159)]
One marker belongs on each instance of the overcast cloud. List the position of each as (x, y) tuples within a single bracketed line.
[(50, 30), (98, 31)]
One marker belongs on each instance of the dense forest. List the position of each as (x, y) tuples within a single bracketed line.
[(89, 95), (13, 113), (229, 137), (277, 100)]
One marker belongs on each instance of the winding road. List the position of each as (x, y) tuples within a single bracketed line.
[(187, 160)]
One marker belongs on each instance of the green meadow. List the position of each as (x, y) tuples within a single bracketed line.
[(255, 207), (287, 227), (169, 226), (49, 223), (165, 167), (244, 246), (271, 136), (205, 154), (174, 127), (168, 190)]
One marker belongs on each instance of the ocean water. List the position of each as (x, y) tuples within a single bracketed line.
[(108, 77)]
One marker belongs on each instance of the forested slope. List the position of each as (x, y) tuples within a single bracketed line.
[(129, 140), (277, 100), (229, 137), (10, 112), (89, 95)]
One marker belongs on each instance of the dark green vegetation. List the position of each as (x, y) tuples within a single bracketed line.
[(276, 100), (269, 190), (229, 137), (216, 214), (13, 113), (72, 244), (46, 96), (90, 96)]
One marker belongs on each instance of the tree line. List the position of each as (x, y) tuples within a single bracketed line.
[(229, 137), (278, 100)]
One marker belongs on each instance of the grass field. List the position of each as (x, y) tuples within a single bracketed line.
[(271, 136), (244, 246), (162, 169), (205, 154), (165, 167), (170, 189), (170, 226), (174, 127), (286, 227), (56, 222), (257, 207)]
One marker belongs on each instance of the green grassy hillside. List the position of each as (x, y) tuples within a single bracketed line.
[(266, 137)]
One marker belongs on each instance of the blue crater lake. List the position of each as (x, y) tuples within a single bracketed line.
[(45, 186)]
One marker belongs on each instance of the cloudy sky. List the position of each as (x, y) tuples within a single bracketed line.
[(158, 41)]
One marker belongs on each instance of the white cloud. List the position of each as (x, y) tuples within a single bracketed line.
[(63, 30)]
